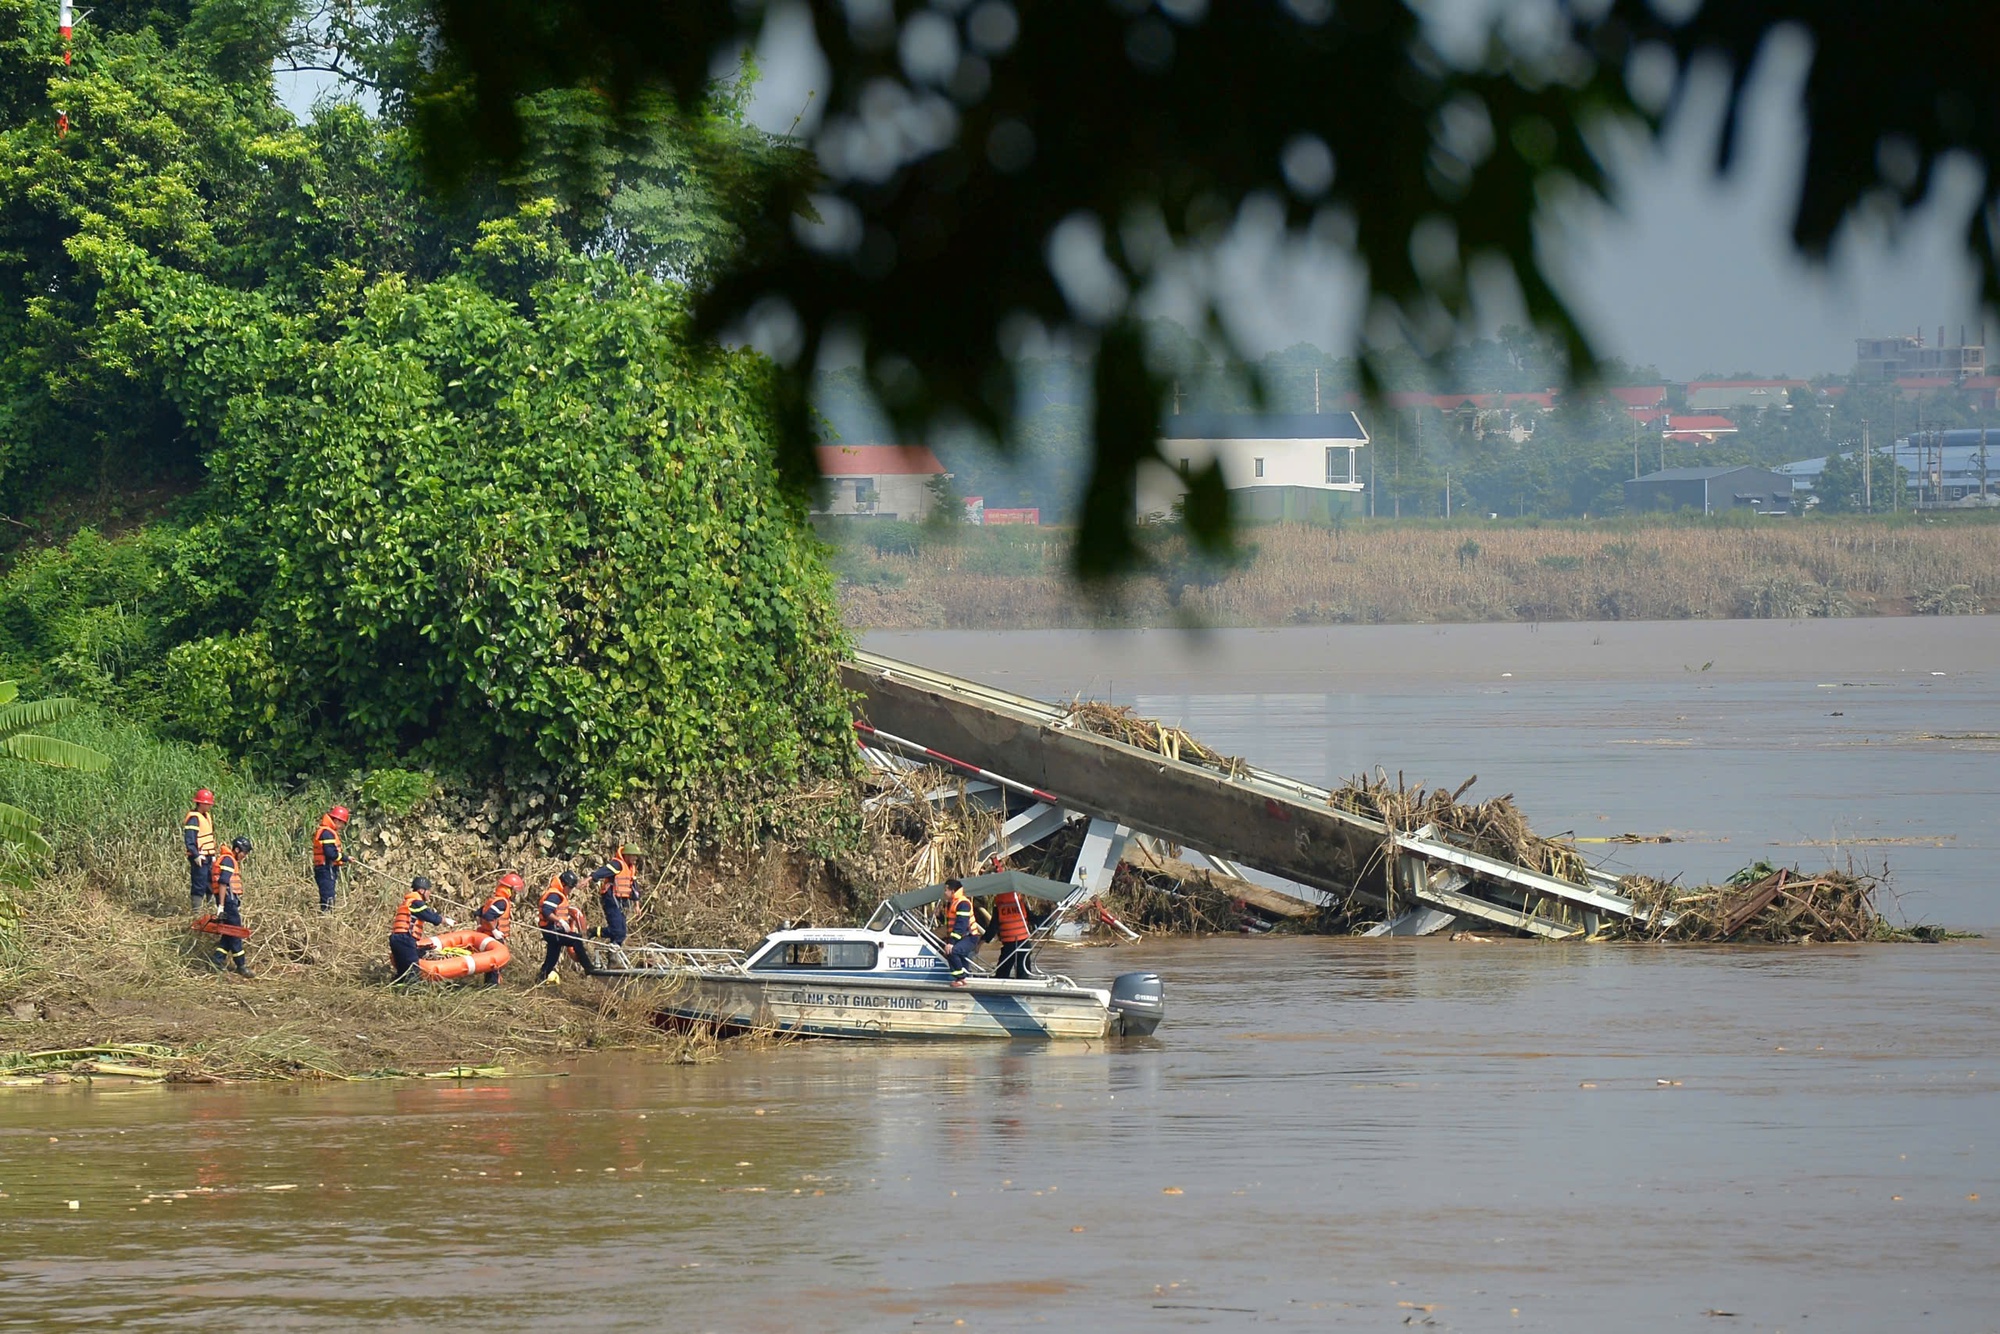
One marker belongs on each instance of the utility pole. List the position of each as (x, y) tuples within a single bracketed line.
[(1447, 493), (1867, 471)]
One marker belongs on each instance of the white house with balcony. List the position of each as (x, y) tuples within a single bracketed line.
[(1303, 467)]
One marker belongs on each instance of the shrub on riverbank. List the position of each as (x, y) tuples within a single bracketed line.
[(1378, 572)]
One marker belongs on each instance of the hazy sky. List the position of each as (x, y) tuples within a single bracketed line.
[(1691, 273)]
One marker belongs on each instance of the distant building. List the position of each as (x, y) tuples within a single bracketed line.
[(1710, 490), (1701, 428), (878, 481), (1300, 466), (1903, 357), (1954, 468), (1741, 395)]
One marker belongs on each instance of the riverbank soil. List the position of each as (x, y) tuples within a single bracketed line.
[(102, 960)]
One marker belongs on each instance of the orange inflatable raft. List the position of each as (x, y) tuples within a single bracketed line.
[(483, 954)]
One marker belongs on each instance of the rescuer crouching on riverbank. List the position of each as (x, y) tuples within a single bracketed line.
[(405, 947), (497, 913), (563, 927), (226, 885)]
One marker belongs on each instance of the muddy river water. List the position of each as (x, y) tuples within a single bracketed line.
[(1326, 1133)]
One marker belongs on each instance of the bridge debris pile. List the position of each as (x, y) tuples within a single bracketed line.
[(1495, 828), (1120, 722), (1763, 903)]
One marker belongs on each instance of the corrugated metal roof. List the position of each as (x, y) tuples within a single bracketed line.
[(1274, 426)]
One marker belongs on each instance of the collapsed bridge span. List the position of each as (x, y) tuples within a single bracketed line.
[(1045, 771)]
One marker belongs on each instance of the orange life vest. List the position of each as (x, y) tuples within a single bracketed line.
[(497, 928), (552, 916), (1012, 912), (406, 922), (225, 860), (204, 831), (623, 873), (959, 921), (326, 826)]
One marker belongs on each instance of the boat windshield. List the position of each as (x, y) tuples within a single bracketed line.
[(847, 955), (891, 919)]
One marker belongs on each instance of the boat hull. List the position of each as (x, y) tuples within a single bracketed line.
[(856, 1008)]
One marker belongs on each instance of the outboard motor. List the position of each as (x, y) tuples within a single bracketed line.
[(1138, 1004)]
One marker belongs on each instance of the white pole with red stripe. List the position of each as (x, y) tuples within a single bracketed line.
[(917, 748)]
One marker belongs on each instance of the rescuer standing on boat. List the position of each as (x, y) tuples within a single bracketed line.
[(619, 878), (961, 930), (404, 949), (1010, 923), (496, 913), (198, 832), (562, 927), (327, 855), (227, 888)]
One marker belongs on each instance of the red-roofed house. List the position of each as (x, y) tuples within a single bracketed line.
[(1702, 428), (881, 481), (1639, 397)]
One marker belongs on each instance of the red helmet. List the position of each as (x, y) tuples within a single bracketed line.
[(204, 798), (512, 882), (338, 813)]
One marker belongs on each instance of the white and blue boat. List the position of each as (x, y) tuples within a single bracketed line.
[(886, 979)]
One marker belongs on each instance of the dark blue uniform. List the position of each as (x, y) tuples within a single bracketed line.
[(403, 949), (961, 935), (619, 878), (198, 832), (228, 892)]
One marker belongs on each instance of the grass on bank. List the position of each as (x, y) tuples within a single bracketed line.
[(102, 951), (1375, 572)]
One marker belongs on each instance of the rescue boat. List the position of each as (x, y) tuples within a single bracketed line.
[(462, 954), (887, 979)]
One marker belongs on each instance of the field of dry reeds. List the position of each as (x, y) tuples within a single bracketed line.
[(1378, 572)]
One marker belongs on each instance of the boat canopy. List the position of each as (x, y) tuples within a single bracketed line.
[(980, 886)]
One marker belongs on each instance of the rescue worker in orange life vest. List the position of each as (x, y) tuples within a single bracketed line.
[(620, 891), (198, 832), (562, 927), (961, 931), (496, 913), (404, 949), (226, 886), (1010, 924), (327, 855)]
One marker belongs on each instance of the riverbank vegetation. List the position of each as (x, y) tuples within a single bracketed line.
[(324, 483), (1374, 572)]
